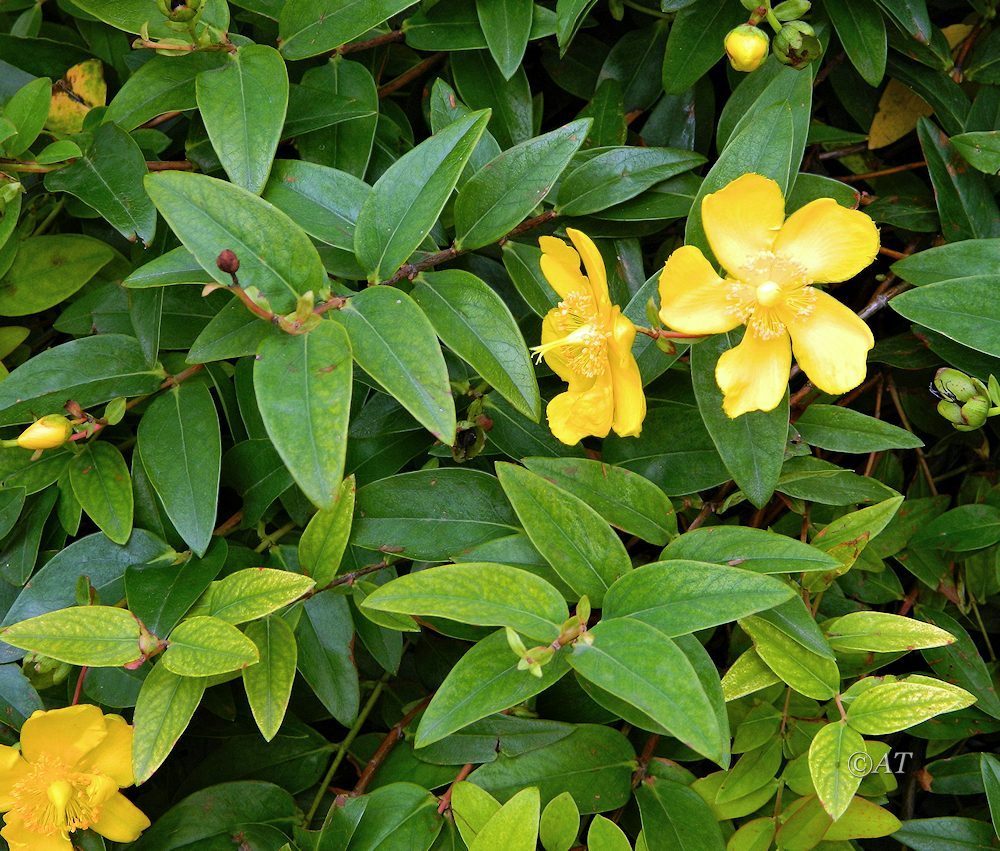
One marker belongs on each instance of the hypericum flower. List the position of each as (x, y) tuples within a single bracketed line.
[(588, 343), (66, 777), (746, 46), (770, 263), (47, 433)]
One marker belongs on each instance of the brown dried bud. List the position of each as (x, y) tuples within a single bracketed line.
[(228, 262)]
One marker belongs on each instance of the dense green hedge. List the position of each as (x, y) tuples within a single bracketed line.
[(385, 526)]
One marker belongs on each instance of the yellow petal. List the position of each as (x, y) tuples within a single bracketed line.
[(13, 769), (693, 298), (831, 242), (587, 409), (560, 265), (113, 756), (66, 734), (593, 263), (753, 376), (19, 838), (553, 357), (630, 401), (742, 219), (120, 820), (831, 344)]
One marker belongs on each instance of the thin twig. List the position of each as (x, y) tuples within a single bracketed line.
[(445, 803), (921, 458), (385, 748), (355, 46), (882, 172), (410, 74)]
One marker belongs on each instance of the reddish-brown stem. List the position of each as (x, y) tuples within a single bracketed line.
[(229, 524), (385, 748), (410, 75), (161, 119), (882, 172), (921, 458), (842, 152), (445, 803), (78, 691), (664, 334), (368, 44), (891, 252), (170, 165), (531, 224)]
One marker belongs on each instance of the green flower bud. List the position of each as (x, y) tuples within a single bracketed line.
[(751, 5), (955, 386), (746, 47), (795, 49), (44, 672), (791, 9), (975, 412)]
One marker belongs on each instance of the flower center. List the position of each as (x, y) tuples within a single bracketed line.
[(768, 294), (54, 799), (583, 340)]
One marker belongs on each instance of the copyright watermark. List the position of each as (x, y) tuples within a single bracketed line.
[(861, 763)]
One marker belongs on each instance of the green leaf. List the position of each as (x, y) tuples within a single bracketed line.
[(695, 42), (681, 597), (322, 545), (945, 833), (990, 768), (163, 84), (617, 174), (11, 503), (303, 388), (507, 26), (180, 445), (472, 808), (96, 636), (27, 110), (252, 593), (109, 179), (973, 257), (19, 549), (833, 768), (243, 106), (483, 682), (804, 669), (964, 200), (522, 264), (138, 16), (309, 27), (326, 660), (633, 661), (861, 30), (968, 527), (594, 764), (752, 445), (268, 684), (750, 549), (204, 646), (677, 814), (625, 499), (570, 15), (880, 632), (981, 150), (607, 835), (48, 270), (959, 308), (101, 482), (473, 321), (162, 713), (395, 344), (407, 199), (482, 86), (841, 429), (572, 537), (477, 593), (507, 188), (210, 215), (893, 706), (18, 698), (560, 823), (514, 827)]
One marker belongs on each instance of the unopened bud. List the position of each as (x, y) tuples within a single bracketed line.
[(515, 643), (746, 47), (750, 5), (47, 433), (953, 385), (534, 659), (795, 45), (43, 671), (789, 10), (228, 262)]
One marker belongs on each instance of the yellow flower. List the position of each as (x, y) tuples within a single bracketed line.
[(770, 263), (746, 46), (47, 433), (588, 343), (66, 777)]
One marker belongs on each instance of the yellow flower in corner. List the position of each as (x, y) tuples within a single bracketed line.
[(66, 777), (771, 261), (588, 343)]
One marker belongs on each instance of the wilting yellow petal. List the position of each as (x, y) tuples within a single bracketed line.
[(66, 734), (13, 769), (630, 401), (593, 263), (753, 376), (120, 820), (19, 838), (832, 243), (899, 109), (75, 95), (831, 344), (693, 298), (113, 756), (586, 408), (742, 219)]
